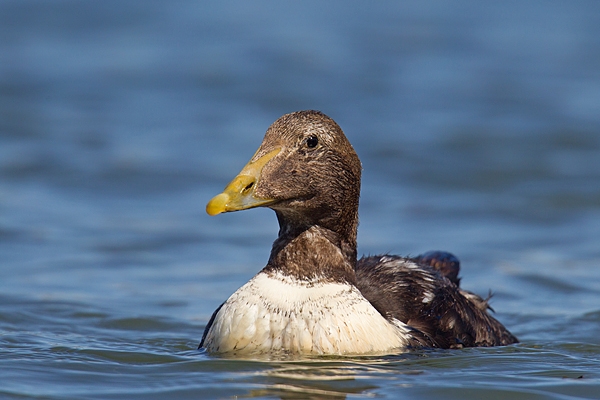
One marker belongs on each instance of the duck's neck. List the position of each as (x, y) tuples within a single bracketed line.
[(313, 252)]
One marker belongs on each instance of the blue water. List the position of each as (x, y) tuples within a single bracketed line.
[(478, 126)]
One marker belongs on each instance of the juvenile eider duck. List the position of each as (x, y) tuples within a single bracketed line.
[(313, 296)]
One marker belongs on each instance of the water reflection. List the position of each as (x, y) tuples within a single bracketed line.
[(327, 379)]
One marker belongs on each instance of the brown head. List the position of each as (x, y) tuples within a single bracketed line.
[(307, 171)]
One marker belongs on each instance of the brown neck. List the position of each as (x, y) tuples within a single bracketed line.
[(308, 252)]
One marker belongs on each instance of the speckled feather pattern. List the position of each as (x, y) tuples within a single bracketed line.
[(442, 314)]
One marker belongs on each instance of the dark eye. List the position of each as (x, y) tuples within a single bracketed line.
[(312, 141)]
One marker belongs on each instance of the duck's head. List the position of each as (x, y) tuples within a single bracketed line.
[(306, 170)]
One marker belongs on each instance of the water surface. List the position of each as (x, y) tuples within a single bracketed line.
[(477, 126)]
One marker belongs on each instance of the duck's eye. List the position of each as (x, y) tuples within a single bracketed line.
[(312, 141)]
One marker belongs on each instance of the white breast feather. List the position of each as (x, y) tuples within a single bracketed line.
[(276, 313)]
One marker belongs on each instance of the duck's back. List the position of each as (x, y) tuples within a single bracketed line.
[(420, 296)]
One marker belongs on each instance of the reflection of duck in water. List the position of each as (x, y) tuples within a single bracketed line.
[(313, 296)]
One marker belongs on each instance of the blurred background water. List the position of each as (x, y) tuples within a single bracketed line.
[(478, 125)]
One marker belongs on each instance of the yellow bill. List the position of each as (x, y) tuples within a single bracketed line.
[(240, 193)]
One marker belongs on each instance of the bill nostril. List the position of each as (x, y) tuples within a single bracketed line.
[(248, 187)]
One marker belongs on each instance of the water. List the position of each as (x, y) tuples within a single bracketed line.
[(477, 125)]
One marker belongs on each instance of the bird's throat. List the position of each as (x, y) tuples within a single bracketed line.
[(313, 254)]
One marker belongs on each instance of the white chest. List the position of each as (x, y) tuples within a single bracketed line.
[(278, 314)]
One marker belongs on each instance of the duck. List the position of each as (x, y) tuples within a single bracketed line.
[(314, 296)]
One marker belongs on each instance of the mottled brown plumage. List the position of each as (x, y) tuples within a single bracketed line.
[(313, 187), (309, 174), (442, 314)]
